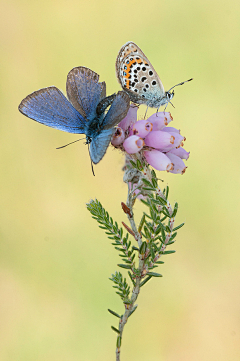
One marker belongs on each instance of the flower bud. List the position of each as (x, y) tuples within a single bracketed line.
[(133, 144), (178, 138), (180, 152), (159, 140), (171, 130), (178, 164), (160, 120), (142, 128), (158, 160), (118, 137)]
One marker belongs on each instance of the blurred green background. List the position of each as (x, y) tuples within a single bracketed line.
[(55, 262)]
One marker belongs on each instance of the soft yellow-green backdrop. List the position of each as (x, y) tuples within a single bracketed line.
[(55, 262)]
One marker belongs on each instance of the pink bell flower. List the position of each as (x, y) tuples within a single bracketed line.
[(178, 138), (178, 164), (118, 137), (160, 120), (142, 128), (130, 118), (180, 152), (133, 144), (159, 140), (171, 130), (160, 145), (158, 160)]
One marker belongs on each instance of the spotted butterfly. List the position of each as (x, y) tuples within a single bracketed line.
[(139, 79)]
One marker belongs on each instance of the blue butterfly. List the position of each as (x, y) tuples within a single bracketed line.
[(84, 113)]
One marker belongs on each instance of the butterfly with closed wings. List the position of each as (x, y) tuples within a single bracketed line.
[(83, 113), (139, 79)]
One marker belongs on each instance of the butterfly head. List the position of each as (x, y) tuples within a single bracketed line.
[(169, 95)]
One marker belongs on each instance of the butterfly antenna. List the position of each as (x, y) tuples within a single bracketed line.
[(69, 143), (91, 161), (186, 81)]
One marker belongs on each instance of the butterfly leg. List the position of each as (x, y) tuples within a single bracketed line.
[(146, 112), (157, 111)]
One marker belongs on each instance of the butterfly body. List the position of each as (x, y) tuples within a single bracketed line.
[(139, 79), (83, 113)]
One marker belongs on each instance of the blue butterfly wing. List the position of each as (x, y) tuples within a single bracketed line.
[(50, 107), (84, 91), (117, 111), (99, 144)]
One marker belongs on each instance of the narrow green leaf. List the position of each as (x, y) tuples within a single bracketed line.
[(114, 313), (175, 210), (153, 274), (161, 200), (141, 223), (102, 227), (133, 164), (154, 182), (153, 173), (145, 280), (173, 236), (144, 202), (167, 191), (145, 181), (159, 262), (119, 341), (139, 165), (124, 266), (115, 329), (180, 226), (148, 189), (143, 248), (169, 252), (167, 228)]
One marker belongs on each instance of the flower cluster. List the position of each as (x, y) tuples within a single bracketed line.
[(161, 146)]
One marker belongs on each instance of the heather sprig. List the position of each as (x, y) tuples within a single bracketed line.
[(142, 243)]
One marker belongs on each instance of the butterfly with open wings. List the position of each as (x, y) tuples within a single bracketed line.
[(83, 113)]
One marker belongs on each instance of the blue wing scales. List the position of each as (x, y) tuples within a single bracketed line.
[(99, 144), (84, 91), (117, 111), (50, 107)]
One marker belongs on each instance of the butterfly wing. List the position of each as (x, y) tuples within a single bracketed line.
[(99, 144), (117, 111), (50, 107), (137, 76), (84, 91)]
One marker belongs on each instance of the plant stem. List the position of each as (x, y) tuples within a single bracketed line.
[(136, 288)]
